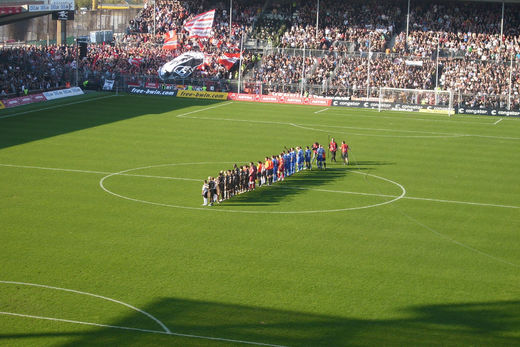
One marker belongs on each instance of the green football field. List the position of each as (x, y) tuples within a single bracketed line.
[(104, 242)]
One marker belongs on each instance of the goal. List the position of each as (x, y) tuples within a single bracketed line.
[(418, 100)]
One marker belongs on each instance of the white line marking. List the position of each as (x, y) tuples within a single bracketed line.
[(325, 109), (498, 121), (101, 181), (303, 126), (410, 116), (203, 109), (462, 202), (56, 106), (374, 135), (137, 329), (199, 180), (98, 172), (93, 295)]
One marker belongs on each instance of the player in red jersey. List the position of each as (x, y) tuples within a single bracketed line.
[(344, 152), (333, 148), (252, 176), (281, 167)]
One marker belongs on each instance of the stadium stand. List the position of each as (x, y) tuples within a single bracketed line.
[(359, 46)]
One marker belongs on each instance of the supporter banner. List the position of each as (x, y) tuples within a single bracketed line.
[(2, 105), (148, 91), (153, 85), (170, 40), (200, 25), (109, 85), (487, 112), (414, 62), (63, 93), (202, 95), (280, 99), (389, 106), (23, 100), (10, 10), (229, 59), (182, 66)]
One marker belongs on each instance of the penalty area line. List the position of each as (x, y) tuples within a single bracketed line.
[(203, 109), (325, 109), (137, 329), (498, 121)]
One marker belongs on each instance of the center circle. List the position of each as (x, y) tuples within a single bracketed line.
[(128, 171)]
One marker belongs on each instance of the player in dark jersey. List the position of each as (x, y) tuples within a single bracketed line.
[(212, 191), (229, 181), (236, 174), (220, 186)]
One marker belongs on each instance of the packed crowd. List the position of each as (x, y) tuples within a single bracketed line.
[(32, 68), (354, 72), (470, 30), (347, 31), (343, 25), (275, 168)]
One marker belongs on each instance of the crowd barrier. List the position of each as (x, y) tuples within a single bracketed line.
[(45, 96)]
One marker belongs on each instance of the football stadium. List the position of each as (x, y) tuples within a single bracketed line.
[(269, 173)]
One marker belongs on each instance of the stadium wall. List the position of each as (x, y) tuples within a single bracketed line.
[(37, 29)]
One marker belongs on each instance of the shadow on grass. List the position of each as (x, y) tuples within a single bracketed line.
[(33, 122), (293, 185), (486, 323)]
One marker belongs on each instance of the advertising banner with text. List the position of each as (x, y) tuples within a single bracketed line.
[(294, 100), (202, 95)]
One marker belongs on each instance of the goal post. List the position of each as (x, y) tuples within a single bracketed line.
[(418, 100)]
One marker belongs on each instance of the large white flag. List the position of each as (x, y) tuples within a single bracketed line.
[(182, 66), (200, 25)]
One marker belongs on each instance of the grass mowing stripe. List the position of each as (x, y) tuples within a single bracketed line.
[(461, 244)]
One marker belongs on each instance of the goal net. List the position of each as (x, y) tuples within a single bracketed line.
[(418, 100)]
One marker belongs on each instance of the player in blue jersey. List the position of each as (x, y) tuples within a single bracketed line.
[(320, 155), (293, 161), (300, 158), (275, 168), (308, 158), (287, 163)]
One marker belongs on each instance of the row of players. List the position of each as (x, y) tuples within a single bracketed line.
[(275, 168)]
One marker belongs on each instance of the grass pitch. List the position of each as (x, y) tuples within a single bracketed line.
[(417, 243)]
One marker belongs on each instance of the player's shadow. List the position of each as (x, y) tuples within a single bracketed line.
[(296, 184), (204, 323)]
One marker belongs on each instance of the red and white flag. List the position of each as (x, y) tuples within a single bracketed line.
[(200, 25), (135, 61), (229, 59), (170, 40)]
